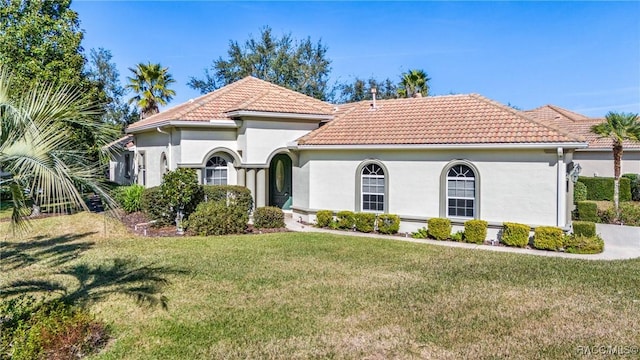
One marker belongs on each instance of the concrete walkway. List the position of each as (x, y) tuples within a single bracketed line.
[(620, 242)]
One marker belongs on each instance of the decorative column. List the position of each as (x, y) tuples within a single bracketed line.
[(251, 183), (241, 174), (261, 183)]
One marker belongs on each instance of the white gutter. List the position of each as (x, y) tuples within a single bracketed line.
[(279, 115), (567, 145), (561, 189), (169, 157), (607, 149)]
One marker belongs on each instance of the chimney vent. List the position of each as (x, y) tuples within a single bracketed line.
[(373, 95), (417, 94)]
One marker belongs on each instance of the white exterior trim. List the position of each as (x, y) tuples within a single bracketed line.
[(214, 123)]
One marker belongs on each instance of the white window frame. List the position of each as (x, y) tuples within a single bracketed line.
[(380, 174), (216, 168), (465, 179)]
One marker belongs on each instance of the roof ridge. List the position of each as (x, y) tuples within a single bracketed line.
[(529, 118), (566, 113)]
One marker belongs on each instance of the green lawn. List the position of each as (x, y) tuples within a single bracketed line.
[(294, 295)]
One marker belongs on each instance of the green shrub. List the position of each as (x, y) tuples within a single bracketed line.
[(514, 234), (365, 222), (630, 214), (268, 217), (439, 228), (231, 194), (458, 236), (154, 205), (548, 238), (217, 218), (388, 223), (580, 244), (587, 211), (601, 188), (584, 228), (420, 233), (475, 231), (345, 220), (129, 197), (579, 192), (53, 330), (324, 218), (181, 191), (634, 182)]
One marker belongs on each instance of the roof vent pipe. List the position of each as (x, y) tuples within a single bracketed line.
[(417, 94), (373, 95)]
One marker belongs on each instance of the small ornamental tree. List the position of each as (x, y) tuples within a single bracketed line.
[(181, 191)]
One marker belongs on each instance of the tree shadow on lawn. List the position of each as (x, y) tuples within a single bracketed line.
[(93, 282), (126, 276), (56, 250)]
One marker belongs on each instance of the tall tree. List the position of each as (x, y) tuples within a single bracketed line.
[(298, 65), (360, 89), (150, 83), (36, 148), (413, 82), (40, 41), (619, 127), (103, 72)]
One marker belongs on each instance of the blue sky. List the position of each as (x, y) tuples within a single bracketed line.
[(584, 56)]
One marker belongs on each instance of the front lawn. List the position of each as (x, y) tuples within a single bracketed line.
[(297, 295)]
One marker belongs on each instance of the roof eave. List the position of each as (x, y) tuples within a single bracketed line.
[(278, 115), (564, 145), (215, 123)]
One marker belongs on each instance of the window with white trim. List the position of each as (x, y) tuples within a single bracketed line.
[(461, 192), (372, 188), (215, 171)]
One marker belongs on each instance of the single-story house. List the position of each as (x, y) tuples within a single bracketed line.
[(456, 156), (597, 159)]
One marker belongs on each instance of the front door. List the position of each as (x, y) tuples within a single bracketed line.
[(280, 182)]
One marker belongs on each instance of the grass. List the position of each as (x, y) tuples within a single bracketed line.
[(295, 295)]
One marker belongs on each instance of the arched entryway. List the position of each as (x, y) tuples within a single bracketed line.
[(280, 184)]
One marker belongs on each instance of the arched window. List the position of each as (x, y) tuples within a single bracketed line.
[(373, 188), (164, 166), (461, 192), (215, 171)]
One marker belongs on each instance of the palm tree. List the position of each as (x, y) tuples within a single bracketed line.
[(619, 127), (414, 82), (38, 157), (151, 83)]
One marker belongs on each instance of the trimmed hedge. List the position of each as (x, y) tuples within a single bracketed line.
[(514, 234), (475, 231), (548, 238), (216, 218), (365, 222), (238, 195), (345, 220), (579, 244), (268, 217), (388, 223), (601, 188), (634, 180), (584, 228), (579, 192), (587, 211), (439, 228), (324, 218)]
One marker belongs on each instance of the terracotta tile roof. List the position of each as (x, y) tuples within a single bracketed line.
[(249, 94), (451, 119), (577, 124)]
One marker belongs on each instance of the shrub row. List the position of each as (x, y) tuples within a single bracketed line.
[(588, 211), (634, 180), (475, 231), (602, 188), (361, 221)]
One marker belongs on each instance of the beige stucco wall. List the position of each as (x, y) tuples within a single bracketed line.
[(516, 186), (600, 163)]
